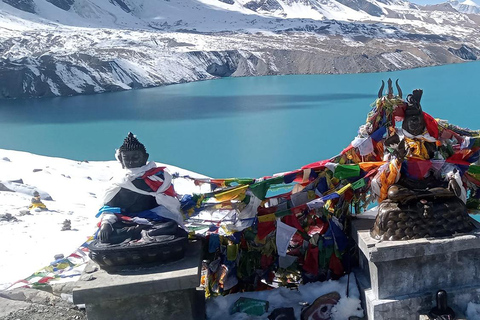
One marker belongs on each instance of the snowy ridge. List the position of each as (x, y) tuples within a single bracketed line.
[(467, 6), (69, 47)]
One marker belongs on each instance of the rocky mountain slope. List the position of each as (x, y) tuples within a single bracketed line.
[(69, 47)]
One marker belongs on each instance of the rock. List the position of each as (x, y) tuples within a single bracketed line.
[(58, 256), (364, 6), (63, 288), (24, 212), (24, 5), (17, 295), (272, 5), (87, 277), (67, 225), (122, 5), (33, 296), (91, 268), (4, 188), (218, 70), (62, 4), (20, 187), (465, 52), (8, 306), (8, 217), (36, 305)]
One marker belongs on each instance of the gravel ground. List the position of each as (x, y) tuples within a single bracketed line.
[(42, 312), (33, 304)]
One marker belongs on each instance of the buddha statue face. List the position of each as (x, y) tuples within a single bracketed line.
[(132, 154), (414, 124), (133, 159)]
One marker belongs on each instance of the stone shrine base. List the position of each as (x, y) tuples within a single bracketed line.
[(168, 291), (400, 279)]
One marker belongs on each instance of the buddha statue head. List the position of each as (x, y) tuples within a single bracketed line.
[(414, 123), (132, 153)]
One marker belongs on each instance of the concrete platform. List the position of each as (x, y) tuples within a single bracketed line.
[(168, 291), (399, 279)]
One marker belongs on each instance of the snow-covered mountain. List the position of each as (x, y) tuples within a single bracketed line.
[(468, 6), (68, 47)]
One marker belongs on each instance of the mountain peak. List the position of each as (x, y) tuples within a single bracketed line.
[(469, 3), (467, 6)]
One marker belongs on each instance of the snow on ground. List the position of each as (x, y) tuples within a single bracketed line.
[(282, 297)]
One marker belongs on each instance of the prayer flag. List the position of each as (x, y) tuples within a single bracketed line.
[(344, 171), (311, 260), (417, 169), (431, 124), (238, 192), (358, 184), (284, 234)]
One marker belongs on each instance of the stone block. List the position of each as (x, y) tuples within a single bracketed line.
[(167, 291), (181, 304), (399, 279)]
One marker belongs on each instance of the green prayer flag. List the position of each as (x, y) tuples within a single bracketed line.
[(259, 189), (238, 181), (277, 180), (344, 171), (283, 213), (474, 169), (358, 184)]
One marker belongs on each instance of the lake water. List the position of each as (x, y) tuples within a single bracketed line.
[(232, 127)]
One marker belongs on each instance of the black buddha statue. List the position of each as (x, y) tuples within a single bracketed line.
[(417, 207), (141, 208)]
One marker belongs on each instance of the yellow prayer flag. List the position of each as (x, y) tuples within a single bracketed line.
[(342, 190), (237, 193), (267, 217)]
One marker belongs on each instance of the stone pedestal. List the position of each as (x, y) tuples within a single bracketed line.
[(168, 291), (399, 279)]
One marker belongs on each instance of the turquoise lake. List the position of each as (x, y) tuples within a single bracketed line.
[(232, 127)]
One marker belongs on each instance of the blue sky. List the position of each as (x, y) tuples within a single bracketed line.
[(424, 2)]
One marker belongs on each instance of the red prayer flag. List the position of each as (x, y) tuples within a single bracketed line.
[(265, 228), (431, 124), (310, 264), (335, 265), (418, 168), (317, 165), (292, 221)]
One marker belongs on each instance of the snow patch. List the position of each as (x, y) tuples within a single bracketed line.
[(76, 79)]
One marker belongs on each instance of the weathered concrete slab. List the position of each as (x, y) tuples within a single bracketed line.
[(167, 291), (399, 279)]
